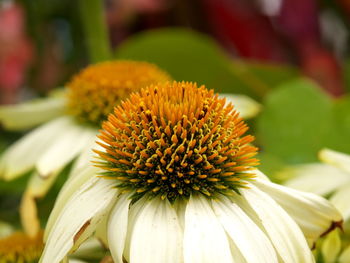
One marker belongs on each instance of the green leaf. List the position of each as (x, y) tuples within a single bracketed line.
[(295, 121), (192, 56), (339, 133), (270, 165)]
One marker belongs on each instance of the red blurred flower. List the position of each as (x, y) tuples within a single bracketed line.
[(16, 51)]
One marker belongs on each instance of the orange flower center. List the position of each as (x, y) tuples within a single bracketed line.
[(96, 90), (174, 140)]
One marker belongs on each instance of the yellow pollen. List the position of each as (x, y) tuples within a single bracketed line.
[(20, 248), (175, 139), (97, 89)]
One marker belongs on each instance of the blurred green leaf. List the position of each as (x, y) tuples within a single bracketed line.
[(270, 165), (295, 121), (339, 132), (192, 56)]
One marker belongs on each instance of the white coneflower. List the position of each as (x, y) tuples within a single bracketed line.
[(90, 97), (331, 178), (176, 183), (18, 247)]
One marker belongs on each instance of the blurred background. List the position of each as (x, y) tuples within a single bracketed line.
[(291, 56), (42, 43)]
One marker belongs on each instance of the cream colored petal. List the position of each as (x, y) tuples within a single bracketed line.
[(66, 147), (69, 188), (331, 247), (345, 255), (246, 235), (317, 178), (39, 186), (29, 114), (23, 154), (135, 210), (282, 230), (72, 260), (340, 199), (29, 215), (88, 203), (314, 214), (205, 240), (117, 227), (90, 249), (157, 226), (338, 159), (86, 156), (246, 106), (5, 229)]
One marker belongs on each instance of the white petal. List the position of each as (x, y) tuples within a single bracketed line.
[(117, 227), (87, 204), (29, 215), (86, 156), (157, 226), (65, 148), (39, 186), (284, 233), (314, 214), (341, 201), (338, 159), (29, 114), (247, 236), (246, 106), (135, 210), (205, 240), (68, 189), (5, 229), (23, 154), (317, 178), (72, 260)]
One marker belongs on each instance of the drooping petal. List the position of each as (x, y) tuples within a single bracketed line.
[(246, 106), (205, 240), (338, 159), (65, 148), (157, 226), (117, 227), (314, 214), (282, 230), (29, 114), (316, 178), (247, 236), (341, 201), (68, 189), (29, 215), (83, 210), (23, 154)]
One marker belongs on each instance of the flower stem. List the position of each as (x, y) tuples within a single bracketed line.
[(95, 30)]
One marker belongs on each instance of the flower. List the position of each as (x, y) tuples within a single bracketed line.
[(176, 182), (16, 247), (331, 178), (46, 150)]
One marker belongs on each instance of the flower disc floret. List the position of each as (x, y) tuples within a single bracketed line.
[(19, 247), (175, 139), (95, 91)]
